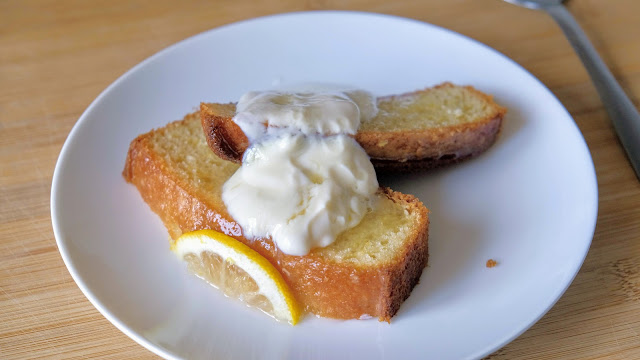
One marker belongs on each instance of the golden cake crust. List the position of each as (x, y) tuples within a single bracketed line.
[(327, 286), (399, 149)]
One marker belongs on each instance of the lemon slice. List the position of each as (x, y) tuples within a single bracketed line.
[(239, 271)]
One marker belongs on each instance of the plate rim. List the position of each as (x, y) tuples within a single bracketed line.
[(56, 193)]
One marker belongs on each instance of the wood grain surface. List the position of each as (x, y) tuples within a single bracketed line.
[(57, 56)]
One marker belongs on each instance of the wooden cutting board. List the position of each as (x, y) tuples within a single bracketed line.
[(57, 56)]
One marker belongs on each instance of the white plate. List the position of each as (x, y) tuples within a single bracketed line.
[(530, 202)]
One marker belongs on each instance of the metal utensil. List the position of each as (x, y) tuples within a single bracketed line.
[(623, 113)]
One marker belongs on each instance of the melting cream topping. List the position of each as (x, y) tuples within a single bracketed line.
[(303, 180), (261, 113)]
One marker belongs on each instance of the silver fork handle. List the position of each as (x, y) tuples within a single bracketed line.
[(623, 113)]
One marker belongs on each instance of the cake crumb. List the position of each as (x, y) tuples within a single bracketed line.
[(491, 263)]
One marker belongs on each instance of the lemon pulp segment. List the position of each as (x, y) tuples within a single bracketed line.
[(239, 271)]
